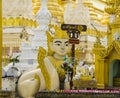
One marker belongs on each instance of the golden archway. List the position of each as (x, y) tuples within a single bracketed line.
[(103, 59)]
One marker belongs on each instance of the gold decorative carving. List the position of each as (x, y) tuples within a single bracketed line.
[(18, 21)]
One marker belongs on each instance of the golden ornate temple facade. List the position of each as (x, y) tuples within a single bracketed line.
[(105, 58)]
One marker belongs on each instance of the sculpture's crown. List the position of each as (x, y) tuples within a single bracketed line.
[(59, 33)]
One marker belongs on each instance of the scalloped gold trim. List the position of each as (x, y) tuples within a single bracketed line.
[(18, 21)]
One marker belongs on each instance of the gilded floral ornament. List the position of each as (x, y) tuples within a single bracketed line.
[(112, 6)]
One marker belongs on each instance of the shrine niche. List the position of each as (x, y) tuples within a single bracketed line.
[(107, 65)]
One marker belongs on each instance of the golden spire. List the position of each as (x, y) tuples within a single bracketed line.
[(112, 6)]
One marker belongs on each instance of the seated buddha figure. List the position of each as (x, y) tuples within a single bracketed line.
[(49, 75)]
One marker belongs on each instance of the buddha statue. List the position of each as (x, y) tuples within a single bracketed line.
[(49, 75)]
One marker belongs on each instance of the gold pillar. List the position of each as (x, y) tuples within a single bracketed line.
[(0, 44), (101, 75), (99, 65), (99, 71), (106, 67)]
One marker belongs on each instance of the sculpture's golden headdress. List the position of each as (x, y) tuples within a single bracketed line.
[(59, 33)]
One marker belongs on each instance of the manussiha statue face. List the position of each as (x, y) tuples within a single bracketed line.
[(60, 46)]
